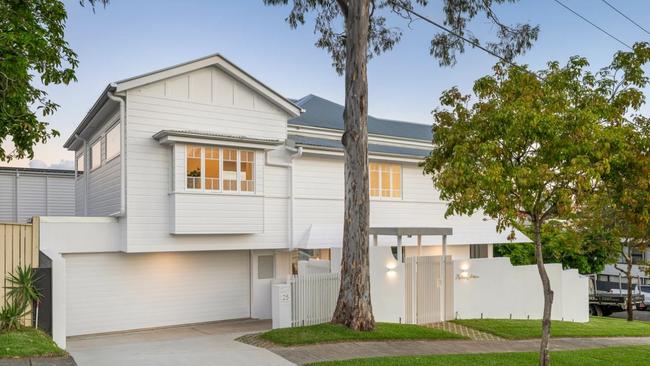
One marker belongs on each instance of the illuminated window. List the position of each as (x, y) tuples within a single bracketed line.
[(212, 168), (96, 155), (385, 180), (113, 142), (193, 167), (229, 169), (246, 163)]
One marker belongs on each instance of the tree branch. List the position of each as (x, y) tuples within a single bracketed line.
[(343, 4)]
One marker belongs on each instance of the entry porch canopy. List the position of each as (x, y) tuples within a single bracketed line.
[(418, 232)]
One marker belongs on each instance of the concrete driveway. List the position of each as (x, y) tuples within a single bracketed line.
[(196, 345)]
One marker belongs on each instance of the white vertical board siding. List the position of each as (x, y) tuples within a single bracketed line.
[(7, 198), (204, 100), (116, 291)]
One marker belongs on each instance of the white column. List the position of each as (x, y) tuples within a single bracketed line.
[(375, 242), (419, 245), (443, 276)]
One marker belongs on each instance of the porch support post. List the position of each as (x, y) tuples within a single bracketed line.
[(443, 276), (399, 248), (419, 245), (375, 241)]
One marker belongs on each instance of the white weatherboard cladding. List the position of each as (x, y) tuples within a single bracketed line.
[(104, 189), (32, 195), (60, 196), (319, 189), (156, 172), (80, 192), (7, 198), (116, 291)]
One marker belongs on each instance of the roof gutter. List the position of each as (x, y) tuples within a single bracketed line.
[(122, 103)]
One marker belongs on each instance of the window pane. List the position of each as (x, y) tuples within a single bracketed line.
[(193, 167), (212, 168), (265, 267), (385, 180), (374, 179), (396, 178), (80, 164), (229, 169), (247, 164), (113, 142), (96, 155)]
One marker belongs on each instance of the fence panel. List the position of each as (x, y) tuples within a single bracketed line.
[(19, 246), (313, 298)]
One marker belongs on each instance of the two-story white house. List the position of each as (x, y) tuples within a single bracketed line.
[(197, 185)]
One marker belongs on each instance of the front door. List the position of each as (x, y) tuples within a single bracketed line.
[(262, 274)]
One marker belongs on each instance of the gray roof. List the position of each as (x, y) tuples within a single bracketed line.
[(336, 145), (42, 171), (323, 113)]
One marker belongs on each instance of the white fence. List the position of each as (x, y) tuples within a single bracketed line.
[(313, 298), (423, 279)]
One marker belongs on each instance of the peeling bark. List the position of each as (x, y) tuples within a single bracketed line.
[(353, 308)]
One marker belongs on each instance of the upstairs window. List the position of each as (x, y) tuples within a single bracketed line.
[(79, 164), (216, 169), (96, 155), (385, 180), (113, 142)]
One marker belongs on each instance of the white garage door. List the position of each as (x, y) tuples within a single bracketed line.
[(115, 291)]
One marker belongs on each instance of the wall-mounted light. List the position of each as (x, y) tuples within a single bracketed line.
[(390, 269)]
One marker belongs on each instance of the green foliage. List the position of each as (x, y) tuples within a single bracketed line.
[(512, 40), (22, 286), (588, 251), (619, 356), (10, 315), (28, 342), (530, 146), (327, 333), (32, 45), (526, 329)]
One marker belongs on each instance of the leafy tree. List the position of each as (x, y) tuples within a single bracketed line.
[(529, 148), (588, 251), (363, 33), (32, 45)]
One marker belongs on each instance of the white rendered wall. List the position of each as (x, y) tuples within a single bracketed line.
[(387, 289), (498, 290)]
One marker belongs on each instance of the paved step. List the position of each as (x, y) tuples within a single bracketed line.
[(471, 333)]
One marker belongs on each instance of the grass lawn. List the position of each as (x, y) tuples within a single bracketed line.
[(28, 342), (596, 327), (326, 333), (619, 356)]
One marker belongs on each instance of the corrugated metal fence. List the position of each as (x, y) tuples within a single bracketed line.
[(19, 246), (313, 298)]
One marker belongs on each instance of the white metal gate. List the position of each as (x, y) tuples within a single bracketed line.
[(313, 298), (424, 303)]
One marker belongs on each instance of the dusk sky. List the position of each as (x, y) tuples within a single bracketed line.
[(128, 38)]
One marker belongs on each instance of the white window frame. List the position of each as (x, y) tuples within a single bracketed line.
[(115, 127), (92, 155), (221, 173), (401, 182)]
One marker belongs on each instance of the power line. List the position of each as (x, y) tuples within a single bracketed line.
[(594, 25), (625, 16)]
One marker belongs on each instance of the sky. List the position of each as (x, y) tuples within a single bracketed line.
[(131, 37)]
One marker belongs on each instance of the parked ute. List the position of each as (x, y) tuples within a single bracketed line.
[(604, 303), (637, 290)]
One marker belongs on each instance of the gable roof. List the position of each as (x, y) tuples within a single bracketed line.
[(323, 113), (211, 60)]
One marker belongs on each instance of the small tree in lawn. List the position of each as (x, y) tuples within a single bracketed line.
[(528, 148), (352, 31)]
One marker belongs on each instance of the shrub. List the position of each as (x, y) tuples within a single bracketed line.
[(11, 314)]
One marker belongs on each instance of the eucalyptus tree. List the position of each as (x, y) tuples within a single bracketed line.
[(527, 146), (32, 45), (352, 32)]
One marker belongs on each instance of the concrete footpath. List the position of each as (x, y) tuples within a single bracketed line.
[(301, 355)]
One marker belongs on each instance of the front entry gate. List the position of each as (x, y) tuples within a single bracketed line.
[(424, 286)]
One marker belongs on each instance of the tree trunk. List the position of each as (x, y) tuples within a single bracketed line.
[(628, 274), (544, 355), (353, 308)]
